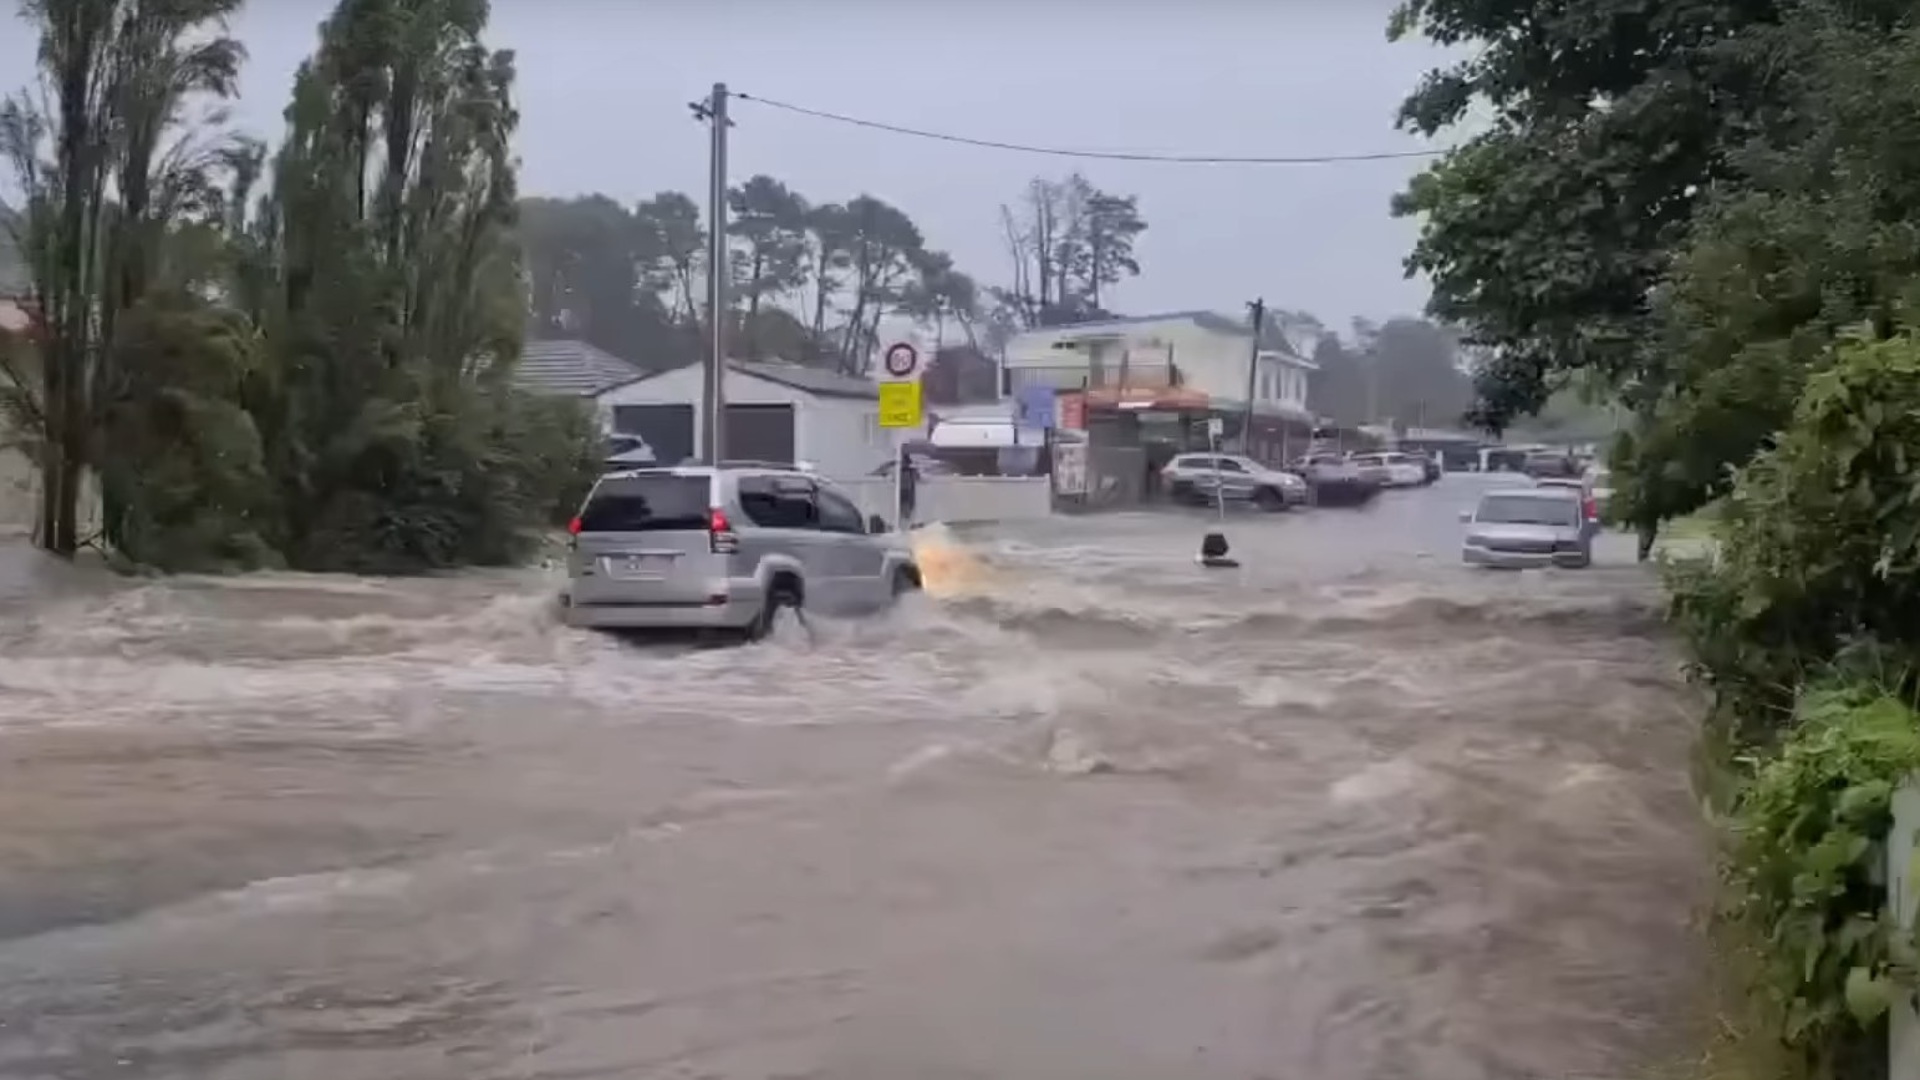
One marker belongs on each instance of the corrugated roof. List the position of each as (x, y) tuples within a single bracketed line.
[(572, 368), (816, 381)]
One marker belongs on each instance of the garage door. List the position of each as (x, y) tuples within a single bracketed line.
[(668, 429), (760, 433)]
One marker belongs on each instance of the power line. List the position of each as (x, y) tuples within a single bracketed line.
[(1097, 155)]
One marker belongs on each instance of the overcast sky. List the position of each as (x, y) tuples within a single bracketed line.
[(604, 86)]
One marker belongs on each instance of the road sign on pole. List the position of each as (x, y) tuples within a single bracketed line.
[(900, 404), (900, 362)]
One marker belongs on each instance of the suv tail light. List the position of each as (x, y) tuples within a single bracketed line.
[(1591, 508), (720, 534)]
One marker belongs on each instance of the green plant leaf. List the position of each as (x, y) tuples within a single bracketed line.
[(1868, 996)]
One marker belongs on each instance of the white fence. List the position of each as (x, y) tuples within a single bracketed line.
[(1903, 896), (959, 499)]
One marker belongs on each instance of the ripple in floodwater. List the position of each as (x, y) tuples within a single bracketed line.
[(1349, 812)]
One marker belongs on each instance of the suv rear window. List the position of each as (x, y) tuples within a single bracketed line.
[(647, 504)]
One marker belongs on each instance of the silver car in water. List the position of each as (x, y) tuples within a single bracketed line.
[(725, 548), (1524, 528), (1201, 478)]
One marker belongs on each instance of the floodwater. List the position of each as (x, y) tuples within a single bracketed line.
[(1353, 812)]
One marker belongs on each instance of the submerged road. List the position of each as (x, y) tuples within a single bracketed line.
[(1353, 812)]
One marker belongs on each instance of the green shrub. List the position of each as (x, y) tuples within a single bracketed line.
[(1819, 538), (1807, 876)]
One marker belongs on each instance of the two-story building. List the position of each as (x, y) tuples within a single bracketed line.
[(1169, 372)]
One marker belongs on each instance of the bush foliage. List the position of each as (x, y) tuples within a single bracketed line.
[(317, 373)]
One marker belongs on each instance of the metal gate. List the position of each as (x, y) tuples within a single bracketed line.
[(760, 433), (668, 429)]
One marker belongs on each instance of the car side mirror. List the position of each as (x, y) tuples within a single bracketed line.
[(876, 524), (1466, 517)]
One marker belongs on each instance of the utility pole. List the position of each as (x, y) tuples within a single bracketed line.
[(1259, 310), (713, 444)]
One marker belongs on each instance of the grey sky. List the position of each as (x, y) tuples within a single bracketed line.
[(604, 87)]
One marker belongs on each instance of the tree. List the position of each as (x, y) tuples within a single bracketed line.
[(671, 252), (1066, 243), (832, 236), (1106, 231), (882, 248), (396, 304), (1815, 239), (1404, 370), (1545, 235), (582, 263), (119, 75), (770, 221)]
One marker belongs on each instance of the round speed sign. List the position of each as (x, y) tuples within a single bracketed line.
[(900, 360)]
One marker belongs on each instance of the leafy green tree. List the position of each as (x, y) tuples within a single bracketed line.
[(392, 436), (770, 222), (672, 252), (1546, 233), (103, 171), (882, 249), (583, 271), (1067, 242), (1817, 238)]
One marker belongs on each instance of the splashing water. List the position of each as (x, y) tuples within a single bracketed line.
[(1084, 809)]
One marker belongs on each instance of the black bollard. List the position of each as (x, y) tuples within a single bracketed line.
[(1213, 552)]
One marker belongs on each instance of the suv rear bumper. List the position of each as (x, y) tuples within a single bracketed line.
[(737, 613)]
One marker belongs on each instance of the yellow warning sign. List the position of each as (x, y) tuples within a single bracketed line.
[(900, 404)]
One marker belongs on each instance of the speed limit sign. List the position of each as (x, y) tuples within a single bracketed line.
[(901, 361)]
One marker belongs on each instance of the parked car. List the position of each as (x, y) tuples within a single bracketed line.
[(1334, 480), (1549, 463), (725, 548), (1196, 478), (1392, 468), (627, 452), (1519, 528)]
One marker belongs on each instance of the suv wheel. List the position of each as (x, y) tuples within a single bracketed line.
[(1268, 498), (905, 581), (779, 596)]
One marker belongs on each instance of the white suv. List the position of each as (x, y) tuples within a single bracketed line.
[(704, 547)]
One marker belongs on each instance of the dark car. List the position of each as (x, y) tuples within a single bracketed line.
[(1550, 464)]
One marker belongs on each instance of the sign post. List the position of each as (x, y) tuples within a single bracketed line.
[(901, 406)]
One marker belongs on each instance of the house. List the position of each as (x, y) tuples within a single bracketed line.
[(776, 411), (1203, 354), (1148, 381)]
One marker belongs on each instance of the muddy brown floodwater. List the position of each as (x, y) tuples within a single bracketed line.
[(1352, 813)]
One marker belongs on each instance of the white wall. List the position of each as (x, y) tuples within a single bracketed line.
[(839, 436), (843, 438)]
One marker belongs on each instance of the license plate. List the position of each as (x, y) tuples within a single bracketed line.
[(638, 566)]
